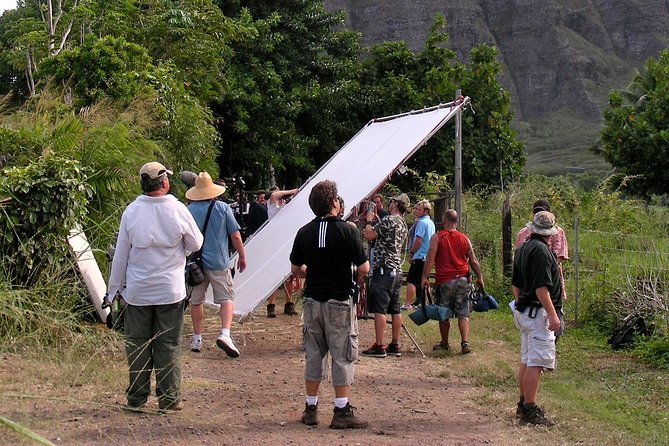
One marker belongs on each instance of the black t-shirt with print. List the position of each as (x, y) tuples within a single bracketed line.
[(328, 247)]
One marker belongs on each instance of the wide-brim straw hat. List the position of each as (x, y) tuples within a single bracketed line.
[(204, 188)]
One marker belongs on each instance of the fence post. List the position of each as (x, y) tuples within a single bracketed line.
[(576, 269), (506, 236)]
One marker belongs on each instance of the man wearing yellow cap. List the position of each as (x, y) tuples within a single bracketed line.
[(148, 272)]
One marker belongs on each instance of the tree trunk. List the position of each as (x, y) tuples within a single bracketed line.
[(29, 73), (50, 27)]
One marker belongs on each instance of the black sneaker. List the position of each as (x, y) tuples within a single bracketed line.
[(440, 346), (465, 347), (376, 351), (393, 350), (344, 419), (519, 409), (271, 310), (535, 416), (289, 309), (310, 414)]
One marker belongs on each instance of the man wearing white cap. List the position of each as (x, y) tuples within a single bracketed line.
[(215, 259), (148, 272), (537, 290)]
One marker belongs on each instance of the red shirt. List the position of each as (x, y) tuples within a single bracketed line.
[(451, 260)]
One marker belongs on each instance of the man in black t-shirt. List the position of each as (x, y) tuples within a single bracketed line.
[(257, 213), (324, 252), (537, 290)]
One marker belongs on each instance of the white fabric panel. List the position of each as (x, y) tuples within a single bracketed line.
[(359, 168)]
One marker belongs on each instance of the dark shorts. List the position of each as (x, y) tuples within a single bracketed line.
[(383, 296), (415, 272)]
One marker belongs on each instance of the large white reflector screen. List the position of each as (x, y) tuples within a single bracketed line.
[(358, 168)]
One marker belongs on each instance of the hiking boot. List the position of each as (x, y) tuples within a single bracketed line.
[(440, 346), (225, 343), (465, 347), (176, 406), (310, 414), (376, 351), (134, 409), (519, 409), (534, 415), (289, 309), (271, 308), (343, 418), (196, 344), (393, 350)]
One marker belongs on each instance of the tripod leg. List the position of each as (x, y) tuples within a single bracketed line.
[(408, 333), (406, 330)]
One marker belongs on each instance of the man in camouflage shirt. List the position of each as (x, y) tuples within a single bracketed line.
[(383, 296)]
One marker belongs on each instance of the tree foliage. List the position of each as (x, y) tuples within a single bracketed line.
[(397, 80), (286, 106), (635, 138)]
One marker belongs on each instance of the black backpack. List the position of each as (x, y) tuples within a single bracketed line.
[(630, 327)]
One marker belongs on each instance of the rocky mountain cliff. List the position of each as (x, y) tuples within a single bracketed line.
[(560, 58)]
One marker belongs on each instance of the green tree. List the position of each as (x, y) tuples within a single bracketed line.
[(287, 105), (397, 80), (635, 138)]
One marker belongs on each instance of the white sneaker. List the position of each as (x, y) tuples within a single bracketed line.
[(196, 344), (225, 343)]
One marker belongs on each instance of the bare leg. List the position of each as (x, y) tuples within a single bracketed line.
[(521, 373), (411, 294), (379, 327), (226, 312), (312, 387), (341, 391), (463, 325), (197, 315), (396, 327), (444, 328), (530, 384)]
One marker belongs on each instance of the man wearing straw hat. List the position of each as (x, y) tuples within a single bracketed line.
[(148, 271), (215, 259), (537, 292)]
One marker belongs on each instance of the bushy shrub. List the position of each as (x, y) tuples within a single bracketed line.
[(41, 203)]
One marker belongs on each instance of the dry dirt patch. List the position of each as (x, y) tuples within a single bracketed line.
[(258, 399)]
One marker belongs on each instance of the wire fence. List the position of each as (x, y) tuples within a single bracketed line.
[(629, 273)]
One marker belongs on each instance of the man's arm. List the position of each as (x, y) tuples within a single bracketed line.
[(418, 240), (119, 263), (369, 232), (429, 260), (299, 271), (361, 273), (277, 194), (545, 299), (237, 243), (474, 264), (192, 238)]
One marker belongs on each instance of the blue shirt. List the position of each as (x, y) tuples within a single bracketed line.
[(222, 223), (424, 228)]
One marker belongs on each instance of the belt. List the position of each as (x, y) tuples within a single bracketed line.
[(389, 271)]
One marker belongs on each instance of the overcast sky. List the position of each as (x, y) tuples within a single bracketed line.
[(7, 4)]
